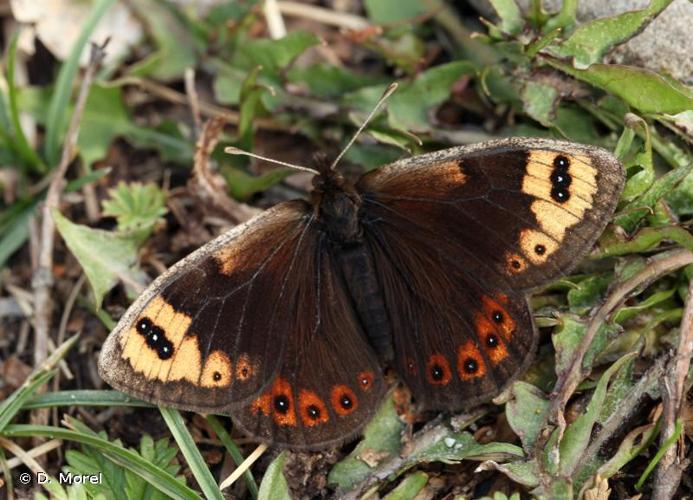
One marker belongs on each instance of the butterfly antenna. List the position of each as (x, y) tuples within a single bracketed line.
[(235, 151), (388, 92)]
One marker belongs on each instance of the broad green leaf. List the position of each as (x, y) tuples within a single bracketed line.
[(540, 100), (590, 41), (641, 88), (628, 312), (526, 412), (524, 472), (175, 43), (274, 485), (567, 338), (106, 257), (588, 293), (511, 21), (273, 55), (629, 216), (409, 487), (382, 435), (393, 11), (450, 447), (242, 186), (576, 436), (409, 106), (326, 81), (136, 206), (680, 199)]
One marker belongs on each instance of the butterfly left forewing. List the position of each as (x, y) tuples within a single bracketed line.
[(197, 338)]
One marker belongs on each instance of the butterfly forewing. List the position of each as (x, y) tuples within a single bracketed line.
[(457, 235), (198, 337)]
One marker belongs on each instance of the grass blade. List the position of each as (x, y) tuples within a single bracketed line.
[(57, 110), (156, 476), (84, 398), (234, 451), (192, 455)]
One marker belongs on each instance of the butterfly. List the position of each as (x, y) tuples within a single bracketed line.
[(287, 321)]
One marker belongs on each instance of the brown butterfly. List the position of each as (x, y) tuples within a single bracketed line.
[(286, 321)]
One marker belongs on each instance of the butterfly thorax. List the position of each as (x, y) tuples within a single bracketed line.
[(337, 204)]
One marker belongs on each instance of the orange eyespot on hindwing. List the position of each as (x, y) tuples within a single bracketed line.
[(263, 405), (283, 409), (343, 400), (365, 380), (498, 316), (470, 363), (438, 370), (490, 337), (313, 410), (514, 263)]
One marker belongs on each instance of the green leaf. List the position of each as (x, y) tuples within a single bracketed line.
[(57, 119), (591, 40), (273, 55), (564, 20), (680, 199), (640, 88), (382, 436), (274, 485), (325, 81), (176, 46), (640, 163), (629, 216), (577, 435), (106, 257), (540, 101), (524, 472), (526, 412), (409, 487), (511, 21), (635, 442), (136, 207), (588, 292), (85, 397), (242, 185), (393, 11)]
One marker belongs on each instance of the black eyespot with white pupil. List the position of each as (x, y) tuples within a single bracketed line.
[(216, 376), (143, 326), (540, 249), (281, 404), (560, 179), (491, 341), (313, 412), (497, 316), (437, 372), (470, 365), (345, 401)]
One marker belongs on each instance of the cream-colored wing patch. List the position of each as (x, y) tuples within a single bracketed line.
[(159, 346), (564, 186)]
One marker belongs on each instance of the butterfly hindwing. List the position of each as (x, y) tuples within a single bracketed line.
[(328, 382), (446, 230)]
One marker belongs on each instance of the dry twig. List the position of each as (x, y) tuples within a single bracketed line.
[(42, 281), (673, 463)]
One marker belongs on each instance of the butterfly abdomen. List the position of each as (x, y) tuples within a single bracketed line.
[(366, 293)]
